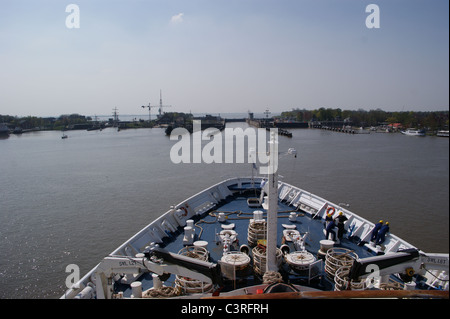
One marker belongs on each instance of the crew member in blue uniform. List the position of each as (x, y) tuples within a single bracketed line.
[(382, 234), (375, 230), (330, 230), (328, 219)]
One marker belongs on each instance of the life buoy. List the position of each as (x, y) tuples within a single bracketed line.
[(330, 208)]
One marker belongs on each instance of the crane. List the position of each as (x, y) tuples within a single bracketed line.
[(158, 261), (152, 106), (149, 110), (406, 263)]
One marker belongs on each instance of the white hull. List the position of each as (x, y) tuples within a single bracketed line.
[(207, 199), (413, 132)]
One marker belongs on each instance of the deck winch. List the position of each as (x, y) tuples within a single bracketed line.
[(290, 234), (299, 260), (234, 264), (228, 237)]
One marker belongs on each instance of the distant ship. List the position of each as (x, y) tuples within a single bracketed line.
[(414, 132), (207, 121), (4, 130)]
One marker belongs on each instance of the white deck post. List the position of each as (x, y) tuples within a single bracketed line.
[(271, 249)]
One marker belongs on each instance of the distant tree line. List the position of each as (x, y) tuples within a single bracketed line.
[(175, 117), (431, 120), (50, 123)]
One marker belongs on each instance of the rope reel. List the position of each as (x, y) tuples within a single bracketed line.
[(342, 282), (336, 258), (256, 231), (188, 285), (259, 259)]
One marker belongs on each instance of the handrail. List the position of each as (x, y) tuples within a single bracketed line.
[(345, 294)]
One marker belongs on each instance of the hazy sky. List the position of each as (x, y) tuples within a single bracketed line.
[(222, 56)]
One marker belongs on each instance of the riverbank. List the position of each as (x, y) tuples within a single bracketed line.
[(434, 123)]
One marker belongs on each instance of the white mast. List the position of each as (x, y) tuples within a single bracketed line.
[(271, 250)]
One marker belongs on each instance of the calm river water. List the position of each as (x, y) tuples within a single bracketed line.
[(73, 201)]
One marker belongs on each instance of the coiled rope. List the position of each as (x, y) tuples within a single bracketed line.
[(163, 292), (271, 277)]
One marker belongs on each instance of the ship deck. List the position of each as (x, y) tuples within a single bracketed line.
[(212, 227), (238, 212)]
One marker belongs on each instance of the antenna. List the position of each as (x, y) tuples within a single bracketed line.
[(160, 103), (116, 117)]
